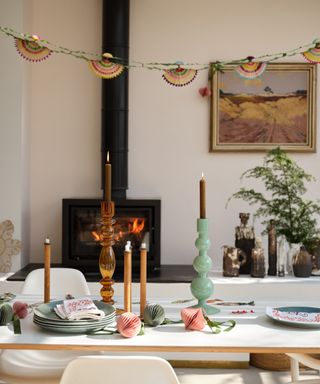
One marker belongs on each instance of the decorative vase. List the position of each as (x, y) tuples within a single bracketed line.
[(294, 249), (316, 259), (258, 268), (282, 252), (272, 249), (245, 240), (302, 263)]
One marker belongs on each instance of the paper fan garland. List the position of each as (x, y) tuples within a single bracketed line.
[(105, 68), (179, 77), (31, 50), (313, 54), (251, 70)]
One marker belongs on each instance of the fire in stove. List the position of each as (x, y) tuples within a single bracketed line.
[(126, 229)]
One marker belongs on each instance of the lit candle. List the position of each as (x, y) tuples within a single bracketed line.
[(107, 187), (143, 278), (202, 198), (127, 278), (47, 260)]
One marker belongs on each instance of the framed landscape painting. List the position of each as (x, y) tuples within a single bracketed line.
[(275, 109)]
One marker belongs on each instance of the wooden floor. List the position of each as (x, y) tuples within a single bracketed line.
[(205, 376)]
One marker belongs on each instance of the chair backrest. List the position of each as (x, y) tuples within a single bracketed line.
[(119, 369), (62, 281)]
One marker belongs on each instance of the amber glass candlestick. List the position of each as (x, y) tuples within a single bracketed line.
[(107, 260)]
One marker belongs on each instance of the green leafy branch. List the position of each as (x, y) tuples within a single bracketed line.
[(284, 181)]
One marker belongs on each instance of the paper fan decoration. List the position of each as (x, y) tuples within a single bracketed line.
[(251, 70), (179, 77), (31, 50), (105, 68), (313, 54)]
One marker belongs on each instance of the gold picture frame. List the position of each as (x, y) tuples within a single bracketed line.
[(278, 108)]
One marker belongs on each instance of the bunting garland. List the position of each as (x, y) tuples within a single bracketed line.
[(251, 70), (34, 49), (105, 68), (179, 76), (31, 50), (313, 54)]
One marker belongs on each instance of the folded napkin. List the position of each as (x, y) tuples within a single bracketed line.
[(79, 309)]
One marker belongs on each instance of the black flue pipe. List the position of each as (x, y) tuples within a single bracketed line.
[(114, 128)]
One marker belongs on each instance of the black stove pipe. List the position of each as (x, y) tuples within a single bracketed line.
[(114, 129)]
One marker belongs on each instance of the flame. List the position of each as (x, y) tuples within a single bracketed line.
[(137, 226), (95, 235)]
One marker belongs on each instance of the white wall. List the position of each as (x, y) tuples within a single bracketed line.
[(168, 126), (13, 123)]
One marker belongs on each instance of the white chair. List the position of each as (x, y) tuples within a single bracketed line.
[(120, 369), (45, 364), (62, 282), (311, 362)]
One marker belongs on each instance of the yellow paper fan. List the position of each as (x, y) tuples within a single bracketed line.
[(251, 70), (105, 68), (179, 76), (312, 55), (31, 50)]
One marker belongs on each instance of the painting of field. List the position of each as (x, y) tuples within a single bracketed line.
[(269, 118), (271, 109)]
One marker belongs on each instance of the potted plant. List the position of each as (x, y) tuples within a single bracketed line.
[(284, 184)]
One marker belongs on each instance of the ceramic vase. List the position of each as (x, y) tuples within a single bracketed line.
[(302, 263)]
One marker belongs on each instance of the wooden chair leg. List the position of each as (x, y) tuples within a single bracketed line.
[(294, 365)]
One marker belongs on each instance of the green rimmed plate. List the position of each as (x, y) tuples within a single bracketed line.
[(47, 313), (296, 316)]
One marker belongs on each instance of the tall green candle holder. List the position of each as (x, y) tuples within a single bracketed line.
[(202, 286)]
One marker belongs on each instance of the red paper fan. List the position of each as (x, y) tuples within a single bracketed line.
[(105, 68), (251, 70), (179, 76), (312, 55), (31, 50)]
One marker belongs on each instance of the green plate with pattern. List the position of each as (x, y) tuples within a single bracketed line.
[(45, 317)]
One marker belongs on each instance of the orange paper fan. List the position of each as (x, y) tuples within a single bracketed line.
[(105, 68), (31, 50), (179, 76), (251, 70)]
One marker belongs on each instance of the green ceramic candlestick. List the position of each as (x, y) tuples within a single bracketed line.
[(202, 286)]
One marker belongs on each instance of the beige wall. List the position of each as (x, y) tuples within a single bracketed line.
[(168, 126)]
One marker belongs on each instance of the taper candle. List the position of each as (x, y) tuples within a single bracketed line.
[(107, 186), (202, 198), (143, 278), (47, 261), (127, 278)]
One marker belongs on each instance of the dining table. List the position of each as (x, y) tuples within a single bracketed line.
[(254, 332)]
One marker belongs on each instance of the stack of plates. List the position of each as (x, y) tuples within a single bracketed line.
[(45, 317)]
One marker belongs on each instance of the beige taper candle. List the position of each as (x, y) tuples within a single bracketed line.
[(127, 278), (47, 261), (143, 278)]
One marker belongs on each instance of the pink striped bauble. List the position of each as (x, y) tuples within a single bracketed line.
[(128, 324), (193, 319)]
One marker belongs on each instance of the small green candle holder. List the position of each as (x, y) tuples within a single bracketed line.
[(202, 286)]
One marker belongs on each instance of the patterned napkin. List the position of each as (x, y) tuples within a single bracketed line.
[(79, 309)]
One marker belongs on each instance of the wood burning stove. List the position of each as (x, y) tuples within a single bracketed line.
[(137, 221)]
